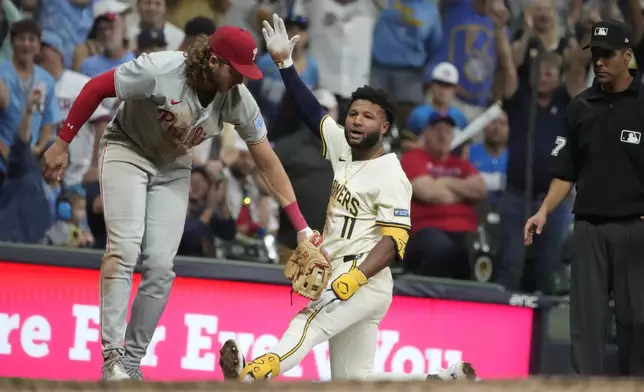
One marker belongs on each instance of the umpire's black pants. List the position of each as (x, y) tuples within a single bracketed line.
[(608, 262)]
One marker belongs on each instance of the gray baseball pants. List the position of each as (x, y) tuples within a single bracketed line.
[(145, 211)]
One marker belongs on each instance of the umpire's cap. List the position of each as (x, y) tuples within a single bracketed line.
[(609, 35)]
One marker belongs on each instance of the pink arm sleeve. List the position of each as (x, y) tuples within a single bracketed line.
[(296, 218), (94, 92)]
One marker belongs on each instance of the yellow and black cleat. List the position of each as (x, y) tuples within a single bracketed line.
[(264, 367)]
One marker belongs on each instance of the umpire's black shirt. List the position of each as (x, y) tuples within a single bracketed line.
[(603, 152)]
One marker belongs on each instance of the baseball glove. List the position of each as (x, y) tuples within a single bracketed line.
[(309, 268)]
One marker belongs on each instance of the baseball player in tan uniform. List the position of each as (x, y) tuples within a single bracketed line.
[(171, 102), (366, 229)]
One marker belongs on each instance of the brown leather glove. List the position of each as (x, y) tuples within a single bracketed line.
[(309, 268)]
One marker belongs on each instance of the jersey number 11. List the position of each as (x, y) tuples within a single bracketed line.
[(347, 227)]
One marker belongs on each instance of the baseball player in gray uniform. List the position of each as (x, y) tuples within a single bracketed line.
[(170, 102)]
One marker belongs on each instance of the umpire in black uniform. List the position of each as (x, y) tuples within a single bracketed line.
[(603, 155)]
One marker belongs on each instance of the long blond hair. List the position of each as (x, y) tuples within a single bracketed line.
[(197, 60)]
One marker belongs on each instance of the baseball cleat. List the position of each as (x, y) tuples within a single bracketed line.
[(468, 371), (231, 360), (113, 370), (135, 374), (459, 371)]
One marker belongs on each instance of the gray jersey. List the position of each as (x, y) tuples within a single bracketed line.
[(161, 117)]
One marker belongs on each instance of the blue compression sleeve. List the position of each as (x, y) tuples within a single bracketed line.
[(311, 112)]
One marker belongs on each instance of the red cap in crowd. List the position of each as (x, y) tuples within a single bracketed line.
[(236, 46)]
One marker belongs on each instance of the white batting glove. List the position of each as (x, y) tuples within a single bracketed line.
[(340, 290), (277, 42), (328, 300)]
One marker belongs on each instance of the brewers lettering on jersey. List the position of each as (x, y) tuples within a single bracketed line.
[(170, 102), (367, 197), (366, 229)]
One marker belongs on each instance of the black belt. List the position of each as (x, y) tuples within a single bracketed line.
[(349, 258), (117, 124), (602, 220)]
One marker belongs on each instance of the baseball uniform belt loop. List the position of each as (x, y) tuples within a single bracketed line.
[(349, 258), (116, 125)]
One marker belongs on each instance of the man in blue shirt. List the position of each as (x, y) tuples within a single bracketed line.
[(490, 157), (9, 14), (441, 91), (407, 34), (109, 31), (472, 30), (24, 78), (71, 20), (26, 199), (552, 100)]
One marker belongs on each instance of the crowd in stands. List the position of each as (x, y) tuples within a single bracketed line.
[(508, 68)]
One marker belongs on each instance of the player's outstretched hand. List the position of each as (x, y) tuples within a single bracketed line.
[(55, 160), (533, 226), (278, 44)]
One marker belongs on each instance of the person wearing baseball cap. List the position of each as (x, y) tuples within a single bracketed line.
[(233, 47), (610, 35), (605, 124), (105, 7), (110, 37), (443, 215), (439, 133), (170, 103), (610, 45), (151, 40), (50, 39), (440, 90), (441, 117), (154, 14), (104, 12)]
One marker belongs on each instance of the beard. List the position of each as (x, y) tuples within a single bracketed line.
[(212, 79), (367, 142)]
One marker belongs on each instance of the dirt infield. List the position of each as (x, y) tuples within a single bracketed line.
[(530, 385)]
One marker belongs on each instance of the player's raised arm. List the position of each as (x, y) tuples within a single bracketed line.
[(280, 49), (242, 111)]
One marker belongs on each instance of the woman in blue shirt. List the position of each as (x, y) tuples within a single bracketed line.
[(269, 91)]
